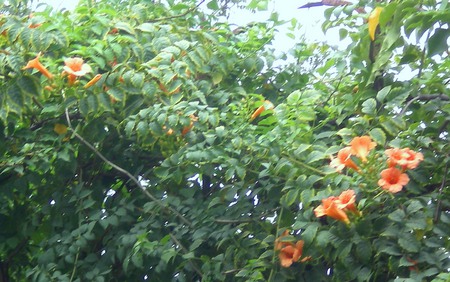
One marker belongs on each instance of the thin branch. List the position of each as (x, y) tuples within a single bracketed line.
[(74, 266), (333, 3), (422, 58), (128, 174), (233, 221), (426, 97), (304, 165), (178, 16), (193, 264)]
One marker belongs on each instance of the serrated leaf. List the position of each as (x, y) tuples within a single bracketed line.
[(146, 27), (310, 233), (369, 106), (289, 198), (378, 135), (125, 27), (29, 85), (137, 80), (381, 95), (315, 156), (305, 197), (116, 93), (409, 243), (397, 216)]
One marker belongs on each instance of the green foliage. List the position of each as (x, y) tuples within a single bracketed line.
[(163, 169)]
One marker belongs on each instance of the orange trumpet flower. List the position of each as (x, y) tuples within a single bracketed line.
[(35, 64), (75, 67), (343, 160), (93, 81), (361, 146), (330, 207), (393, 180)]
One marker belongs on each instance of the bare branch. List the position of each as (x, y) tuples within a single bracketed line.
[(128, 174), (425, 97)]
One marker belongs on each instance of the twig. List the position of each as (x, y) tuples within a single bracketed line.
[(178, 16), (333, 3), (425, 98), (233, 221), (74, 266), (422, 58), (128, 174), (304, 165), (194, 266)]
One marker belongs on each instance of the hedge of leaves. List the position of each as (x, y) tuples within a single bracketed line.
[(152, 141)]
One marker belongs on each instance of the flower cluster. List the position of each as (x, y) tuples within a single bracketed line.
[(337, 207), (289, 252), (74, 68), (359, 147), (399, 160)]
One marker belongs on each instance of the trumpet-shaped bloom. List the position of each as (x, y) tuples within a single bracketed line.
[(347, 200), (75, 67), (343, 160), (289, 252), (413, 159), (373, 21), (406, 158), (393, 180), (361, 146), (330, 207), (35, 64), (93, 81)]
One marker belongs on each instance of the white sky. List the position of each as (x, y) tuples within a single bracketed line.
[(310, 20)]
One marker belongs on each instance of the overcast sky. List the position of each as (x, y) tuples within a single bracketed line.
[(310, 19)]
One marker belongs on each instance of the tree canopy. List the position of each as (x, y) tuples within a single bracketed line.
[(151, 141)]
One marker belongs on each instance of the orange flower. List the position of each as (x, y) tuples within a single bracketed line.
[(393, 180), (395, 157), (330, 207), (267, 105), (289, 253), (186, 129), (346, 201), (75, 67), (343, 160), (361, 146), (413, 159), (93, 81), (35, 64)]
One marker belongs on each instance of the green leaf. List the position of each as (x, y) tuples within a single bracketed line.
[(381, 95), (146, 27), (315, 156), (378, 136), (125, 27), (437, 44), (369, 106), (290, 197), (397, 215), (409, 243), (310, 233)]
